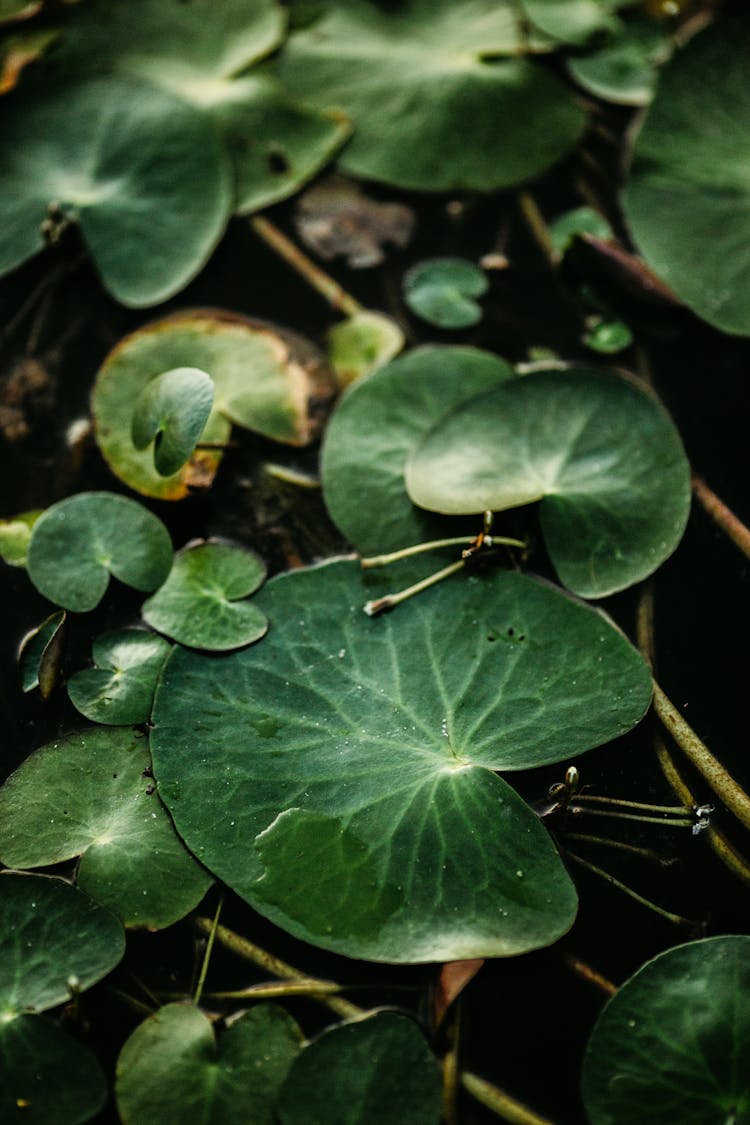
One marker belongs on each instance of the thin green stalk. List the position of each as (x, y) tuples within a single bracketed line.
[(620, 803), (722, 515), (380, 605), (437, 544), (500, 1103), (620, 845), (538, 228), (207, 953), (594, 977), (668, 822), (452, 1070), (305, 986), (317, 278), (675, 919)]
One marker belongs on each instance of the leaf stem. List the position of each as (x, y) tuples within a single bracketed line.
[(722, 515), (620, 845), (380, 605), (669, 822), (436, 545), (321, 282), (590, 797), (500, 1103), (304, 986), (588, 974), (207, 953), (538, 227), (452, 1070), (675, 919)]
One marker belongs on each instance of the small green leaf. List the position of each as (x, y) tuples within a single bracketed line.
[(200, 603), (442, 292), (78, 542), (673, 1043), (362, 343), (582, 220), (15, 535), (624, 69), (374, 1071), (120, 689), (173, 1069), (40, 655), (90, 795), (172, 412), (608, 337)]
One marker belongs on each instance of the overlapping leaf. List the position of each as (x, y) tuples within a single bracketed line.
[(119, 689)]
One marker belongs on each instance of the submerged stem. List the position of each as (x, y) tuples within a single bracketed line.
[(722, 515), (207, 953), (320, 281), (591, 975), (669, 822), (538, 227), (380, 605), (676, 919), (436, 545), (590, 797), (619, 845), (500, 1103), (305, 986)]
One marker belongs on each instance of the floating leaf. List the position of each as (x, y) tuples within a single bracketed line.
[(89, 795), (119, 690), (269, 381), (607, 336), (50, 936), (172, 1068), (15, 534), (78, 542), (375, 427), (442, 292), (673, 1043), (571, 21), (362, 343), (339, 776), (366, 1072), (624, 70), (441, 112), (688, 199), (582, 220), (602, 455), (335, 217), (172, 411), (201, 603), (40, 655), (140, 171)]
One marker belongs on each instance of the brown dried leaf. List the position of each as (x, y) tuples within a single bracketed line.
[(336, 219), (453, 979)]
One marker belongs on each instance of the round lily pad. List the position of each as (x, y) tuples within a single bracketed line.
[(269, 381), (374, 428), (602, 455), (80, 541), (48, 1076), (53, 937), (202, 604), (687, 201), (361, 343), (340, 775), (120, 688), (172, 411), (368, 1072), (673, 1043), (40, 655), (173, 1068), (423, 79), (139, 170), (443, 291), (90, 795)]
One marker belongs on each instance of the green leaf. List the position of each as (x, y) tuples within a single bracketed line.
[(374, 1071), (608, 337), (374, 428), (200, 603), (52, 938), (80, 541), (353, 758), (40, 655), (673, 1043), (172, 411), (582, 220), (48, 1077), (362, 343), (15, 533), (141, 172), (272, 382), (120, 688), (687, 201), (442, 291), (602, 455), (571, 21), (173, 1068), (624, 70), (89, 795), (434, 109)]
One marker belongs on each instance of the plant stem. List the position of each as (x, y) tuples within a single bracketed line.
[(620, 845), (538, 227), (722, 516), (589, 974), (633, 804), (379, 605), (437, 544), (452, 1070), (499, 1102), (207, 953), (669, 822), (304, 986), (320, 281), (676, 919)]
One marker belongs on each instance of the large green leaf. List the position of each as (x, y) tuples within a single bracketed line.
[(688, 197), (172, 1068), (80, 541), (90, 795), (673, 1043), (434, 109), (601, 454), (377, 424), (340, 775), (119, 689), (53, 939), (142, 172), (375, 1071)]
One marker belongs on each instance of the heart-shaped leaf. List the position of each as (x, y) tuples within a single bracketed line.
[(201, 604), (362, 343), (90, 795), (601, 454), (624, 69), (340, 776), (425, 78), (172, 1067), (53, 939), (119, 690), (672, 1044), (443, 291), (572, 21), (375, 427), (15, 534), (40, 655), (80, 541), (366, 1072), (688, 198), (581, 221), (47, 1075), (172, 411), (133, 165)]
